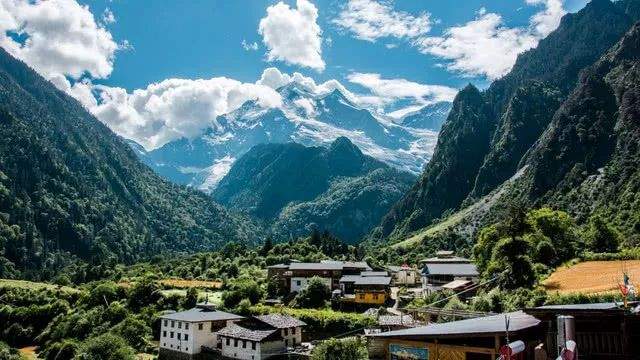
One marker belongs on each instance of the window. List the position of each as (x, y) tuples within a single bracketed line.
[(173, 323), (179, 325), (186, 337), (286, 332), (228, 342), (235, 342), (186, 326), (200, 326), (186, 349), (213, 327), (244, 344), (253, 345), (179, 336), (293, 331), (298, 282), (375, 296), (164, 344), (166, 322), (164, 333), (172, 346), (171, 335)]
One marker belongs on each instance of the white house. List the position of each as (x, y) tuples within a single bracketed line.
[(444, 268), (404, 275), (183, 334), (261, 337)]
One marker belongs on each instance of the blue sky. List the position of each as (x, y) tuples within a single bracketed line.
[(202, 39), (156, 71)]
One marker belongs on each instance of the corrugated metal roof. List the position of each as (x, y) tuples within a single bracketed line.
[(395, 320), (595, 306), (450, 269), (456, 284), (490, 325), (349, 278), (197, 315), (453, 259)]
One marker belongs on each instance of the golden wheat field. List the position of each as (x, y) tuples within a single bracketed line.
[(592, 277)]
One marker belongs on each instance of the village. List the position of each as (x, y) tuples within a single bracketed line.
[(607, 330)]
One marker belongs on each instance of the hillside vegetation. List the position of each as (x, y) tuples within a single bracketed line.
[(563, 113), (71, 189)]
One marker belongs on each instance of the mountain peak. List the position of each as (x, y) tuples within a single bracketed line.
[(343, 143)]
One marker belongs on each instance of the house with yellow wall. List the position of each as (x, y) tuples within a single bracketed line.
[(371, 289)]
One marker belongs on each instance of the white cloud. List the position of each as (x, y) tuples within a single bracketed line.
[(62, 37), (485, 46), (175, 108), (293, 35), (394, 89), (249, 46), (370, 20), (108, 17), (274, 78)]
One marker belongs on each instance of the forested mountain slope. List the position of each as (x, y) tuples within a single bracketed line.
[(481, 146), (295, 188), (69, 188)]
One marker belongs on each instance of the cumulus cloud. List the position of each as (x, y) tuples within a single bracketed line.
[(293, 35), (370, 20), (60, 37), (394, 89), (175, 108), (485, 46)]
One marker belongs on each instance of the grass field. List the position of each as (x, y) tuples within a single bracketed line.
[(7, 283), (185, 284), (592, 277)]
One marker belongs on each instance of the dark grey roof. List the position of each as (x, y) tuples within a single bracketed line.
[(440, 260), (239, 332), (315, 266), (374, 273), (488, 326), (329, 265), (450, 269), (280, 321), (197, 315), (349, 278), (373, 280), (366, 280)]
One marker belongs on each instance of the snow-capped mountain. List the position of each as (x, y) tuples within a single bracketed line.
[(429, 117), (304, 117)]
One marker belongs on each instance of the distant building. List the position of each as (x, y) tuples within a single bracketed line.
[(296, 276), (445, 268), (366, 288), (404, 275), (182, 334), (261, 337)]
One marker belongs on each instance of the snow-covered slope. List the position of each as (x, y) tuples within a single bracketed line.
[(305, 117)]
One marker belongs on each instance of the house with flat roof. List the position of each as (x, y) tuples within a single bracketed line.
[(445, 268), (183, 334), (296, 275), (260, 337)]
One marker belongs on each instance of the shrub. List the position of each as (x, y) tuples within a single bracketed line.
[(106, 347), (341, 349), (314, 296)]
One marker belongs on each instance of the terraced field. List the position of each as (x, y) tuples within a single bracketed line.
[(592, 277), (7, 283)]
